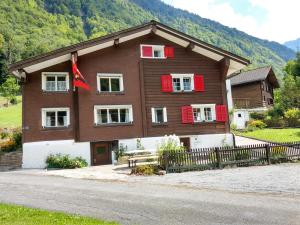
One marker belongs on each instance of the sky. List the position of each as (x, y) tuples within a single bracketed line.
[(274, 20)]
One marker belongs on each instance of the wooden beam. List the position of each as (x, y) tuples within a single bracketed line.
[(224, 67), (117, 42), (76, 125), (190, 46), (143, 99), (153, 29)]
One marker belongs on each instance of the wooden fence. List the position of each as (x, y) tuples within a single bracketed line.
[(213, 158)]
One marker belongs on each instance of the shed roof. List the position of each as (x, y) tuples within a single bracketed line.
[(258, 74)]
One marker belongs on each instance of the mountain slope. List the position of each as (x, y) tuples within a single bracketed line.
[(295, 44), (31, 27)]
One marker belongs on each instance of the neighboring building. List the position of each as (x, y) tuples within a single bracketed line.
[(146, 82), (252, 91)]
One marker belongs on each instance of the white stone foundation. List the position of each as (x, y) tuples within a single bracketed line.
[(35, 153), (196, 141)]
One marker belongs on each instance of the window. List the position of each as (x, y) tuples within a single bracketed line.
[(159, 115), (187, 84), (204, 112), (270, 101), (55, 81), (176, 84), (153, 51), (183, 82), (110, 82), (55, 117), (117, 114)]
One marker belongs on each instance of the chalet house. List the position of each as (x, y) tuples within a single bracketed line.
[(144, 83), (252, 91)]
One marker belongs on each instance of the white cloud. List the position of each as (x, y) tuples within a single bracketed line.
[(281, 22)]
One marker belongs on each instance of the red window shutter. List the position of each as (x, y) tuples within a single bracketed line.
[(147, 51), (169, 52), (221, 113), (198, 83), (166, 83), (187, 114)]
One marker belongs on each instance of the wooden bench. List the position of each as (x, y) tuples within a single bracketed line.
[(132, 161)]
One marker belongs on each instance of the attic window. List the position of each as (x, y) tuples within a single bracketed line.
[(153, 51)]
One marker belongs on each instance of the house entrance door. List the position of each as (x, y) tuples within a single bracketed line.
[(101, 154)]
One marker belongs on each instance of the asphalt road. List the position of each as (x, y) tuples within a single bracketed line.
[(141, 203)]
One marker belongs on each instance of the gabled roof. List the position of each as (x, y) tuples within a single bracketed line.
[(258, 74), (64, 54)]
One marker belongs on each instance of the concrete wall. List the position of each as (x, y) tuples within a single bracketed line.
[(35, 153), (229, 95), (197, 141)]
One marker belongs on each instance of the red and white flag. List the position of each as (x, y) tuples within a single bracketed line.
[(78, 79)]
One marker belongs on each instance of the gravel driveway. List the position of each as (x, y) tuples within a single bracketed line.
[(153, 204), (280, 178)]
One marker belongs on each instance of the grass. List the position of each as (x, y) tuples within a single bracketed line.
[(275, 135), (11, 116), (18, 215)]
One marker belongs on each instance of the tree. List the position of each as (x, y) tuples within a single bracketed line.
[(293, 66), (9, 89), (290, 92), (3, 62)]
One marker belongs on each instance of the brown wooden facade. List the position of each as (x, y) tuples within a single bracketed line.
[(142, 89), (256, 94)]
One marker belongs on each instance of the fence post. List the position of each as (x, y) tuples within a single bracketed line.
[(268, 154), (217, 150), (166, 160)]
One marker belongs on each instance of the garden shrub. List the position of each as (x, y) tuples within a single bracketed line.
[(257, 115), (171, 148), (279, 154), (255, 125), (275, 121), (146, 170), (242, 155), (13, 143), (65, 162), (293, 117)]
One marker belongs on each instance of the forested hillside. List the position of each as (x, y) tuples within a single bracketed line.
[(30, 27)]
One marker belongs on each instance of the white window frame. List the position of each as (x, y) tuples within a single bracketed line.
[(202, 116), (109, 76), (56, 74), (154, 117), (154, 47), (181, 77), (44, 117), (107, 107)]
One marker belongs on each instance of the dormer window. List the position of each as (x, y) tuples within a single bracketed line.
[(156, 51), (55, 81)]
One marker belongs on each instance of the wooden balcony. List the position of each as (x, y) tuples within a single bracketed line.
[(245, 103)]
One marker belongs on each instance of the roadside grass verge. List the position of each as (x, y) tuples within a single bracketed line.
[(11, 116), (275, 135), (19, 215)]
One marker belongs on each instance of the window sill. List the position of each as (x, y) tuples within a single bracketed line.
[(113, 124), (159, 124), (183, 92), (111, 93), (59, 92), (55, 128)]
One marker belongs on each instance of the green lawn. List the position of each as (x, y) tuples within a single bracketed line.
[(276, 135), (11, 116), (17, 215)]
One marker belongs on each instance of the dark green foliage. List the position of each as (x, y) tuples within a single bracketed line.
[(31, 27), (65, 162)]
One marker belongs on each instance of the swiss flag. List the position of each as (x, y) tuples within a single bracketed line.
[(78, 79)]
